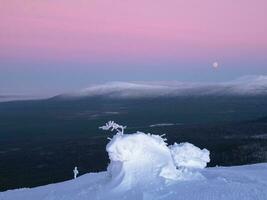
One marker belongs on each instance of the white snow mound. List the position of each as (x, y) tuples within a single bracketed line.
[(142, 159), (139, 159), (186, 155)]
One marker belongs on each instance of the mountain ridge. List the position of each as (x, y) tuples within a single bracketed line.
[(247, 85)]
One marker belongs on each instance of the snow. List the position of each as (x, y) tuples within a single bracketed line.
[(247, 85), (165, 124), (222, 183), (161, 124), (144, 167), (113, 126), (139, 159), (186, 155)]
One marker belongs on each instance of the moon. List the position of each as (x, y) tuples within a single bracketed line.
[(215, 65)]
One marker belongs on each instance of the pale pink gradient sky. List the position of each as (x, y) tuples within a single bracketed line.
[(99, 34)]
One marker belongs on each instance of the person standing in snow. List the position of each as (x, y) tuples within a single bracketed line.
[(75, 172)]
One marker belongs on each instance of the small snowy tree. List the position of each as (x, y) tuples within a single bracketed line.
[(75, 172), (113, 126)]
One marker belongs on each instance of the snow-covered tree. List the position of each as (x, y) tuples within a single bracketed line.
[(75, 172), (111, 125)]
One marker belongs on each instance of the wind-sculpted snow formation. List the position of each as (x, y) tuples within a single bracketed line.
[(146, 159), (143, 167)]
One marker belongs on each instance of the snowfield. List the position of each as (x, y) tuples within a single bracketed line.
[(144, 167), (222, 183)]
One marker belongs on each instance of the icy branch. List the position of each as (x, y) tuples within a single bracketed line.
[(111, 125)]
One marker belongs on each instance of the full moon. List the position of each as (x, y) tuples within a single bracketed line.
[(215, 65)]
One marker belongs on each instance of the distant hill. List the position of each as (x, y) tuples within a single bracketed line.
[(244, 86)]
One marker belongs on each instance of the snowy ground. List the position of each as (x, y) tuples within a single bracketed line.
[(243, 182), (144, 167)]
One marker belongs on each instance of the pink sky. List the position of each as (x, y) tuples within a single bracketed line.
[(72, 42), (122, 29)]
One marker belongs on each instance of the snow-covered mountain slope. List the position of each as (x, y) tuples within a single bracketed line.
[(222, 183), (143, 167), (248, 85)]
